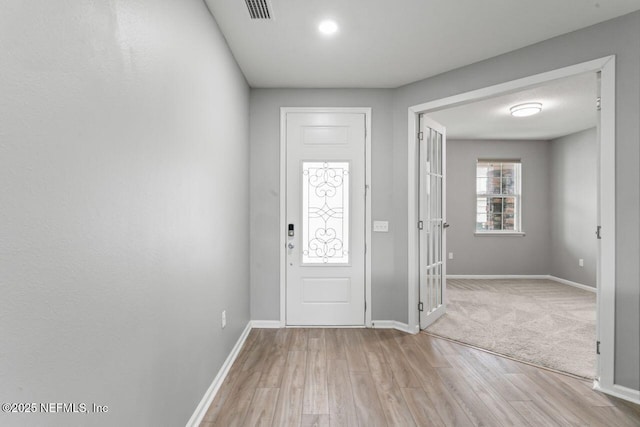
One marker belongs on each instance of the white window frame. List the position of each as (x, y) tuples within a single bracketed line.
[(518, 230)]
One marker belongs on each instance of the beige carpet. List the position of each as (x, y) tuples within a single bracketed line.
[(537, 321)]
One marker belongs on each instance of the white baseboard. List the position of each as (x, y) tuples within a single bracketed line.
[(266, 324), (208, 397), (619, 391), (516, 276), (392, 324), (574, 284)]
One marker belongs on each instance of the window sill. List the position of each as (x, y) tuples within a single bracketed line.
[(499, 233)]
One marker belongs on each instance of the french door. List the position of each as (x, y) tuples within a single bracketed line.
[(432, 225)]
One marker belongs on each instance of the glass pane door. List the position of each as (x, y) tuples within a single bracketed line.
[(432, 212)]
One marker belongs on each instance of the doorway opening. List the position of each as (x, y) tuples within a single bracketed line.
[(605, 204)]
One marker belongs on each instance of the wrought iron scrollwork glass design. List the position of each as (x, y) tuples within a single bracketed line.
[(325, 212)]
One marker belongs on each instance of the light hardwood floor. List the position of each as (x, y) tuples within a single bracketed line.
[(378, 377)]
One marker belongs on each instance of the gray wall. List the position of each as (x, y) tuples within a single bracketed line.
[(121, 238), (498, 254), (621, 37), (574, 194), (558, 209), (265, 193)]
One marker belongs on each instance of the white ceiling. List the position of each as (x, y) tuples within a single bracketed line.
[(568, 106), (385, 43)]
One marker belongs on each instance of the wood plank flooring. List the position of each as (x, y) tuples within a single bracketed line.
[(377, 377)]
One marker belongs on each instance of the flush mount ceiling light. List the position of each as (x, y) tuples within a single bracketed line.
[(328, 27), (524, 110)]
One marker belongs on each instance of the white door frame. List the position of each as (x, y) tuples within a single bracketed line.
[(607, 274), (283, 202)]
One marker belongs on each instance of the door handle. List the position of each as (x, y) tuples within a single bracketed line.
[(446, 225), (290, 246)]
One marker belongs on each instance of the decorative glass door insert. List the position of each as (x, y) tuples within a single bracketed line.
[(325, 213)]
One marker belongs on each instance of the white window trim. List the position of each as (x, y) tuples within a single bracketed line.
[(519, 231)]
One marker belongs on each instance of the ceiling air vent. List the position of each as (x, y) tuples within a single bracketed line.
[(258, 9)]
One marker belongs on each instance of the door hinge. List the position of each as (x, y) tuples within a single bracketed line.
[(597, 347), (420, 225), (420, 306), (365, 306), (598, 229), (598, 103), (420, 136)]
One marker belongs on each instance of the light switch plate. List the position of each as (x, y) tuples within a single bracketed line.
[(381, 226)]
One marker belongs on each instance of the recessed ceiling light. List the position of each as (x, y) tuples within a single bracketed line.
[(524, 110), (328, 27)]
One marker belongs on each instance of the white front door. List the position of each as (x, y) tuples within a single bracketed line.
[(432, 213), (325, 218)]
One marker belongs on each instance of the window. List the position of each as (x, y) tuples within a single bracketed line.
[(498, 184)]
